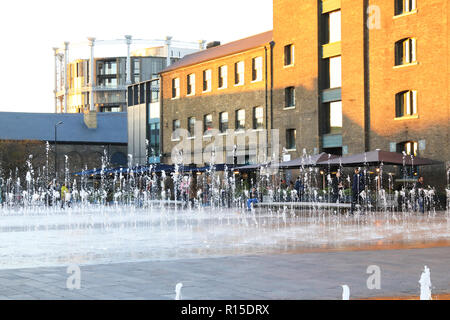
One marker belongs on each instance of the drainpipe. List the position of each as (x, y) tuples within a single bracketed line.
[(66, 84), (56, 78), (161, 118), (366, 78), (272, 44), (91, 75)]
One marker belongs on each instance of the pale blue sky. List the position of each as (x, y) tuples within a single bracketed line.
[(29, 30)]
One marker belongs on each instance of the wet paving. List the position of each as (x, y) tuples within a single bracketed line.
[(221, 254)]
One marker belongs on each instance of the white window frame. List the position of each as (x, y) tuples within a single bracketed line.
[(258, 111), (337, 106), (176, 86), (223, 70), (191, 80), (240, 73), (407, 9), (257, 63), (292, 55), (207, 74), (238, 112), (335, 26), (409, 104), (409, 47), (335, 72)]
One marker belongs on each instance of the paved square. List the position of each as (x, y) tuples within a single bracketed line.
[(296, 276)]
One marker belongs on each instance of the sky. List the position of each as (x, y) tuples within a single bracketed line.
[(30, 29)]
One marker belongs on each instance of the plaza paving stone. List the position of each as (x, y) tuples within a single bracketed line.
[(284, 276)]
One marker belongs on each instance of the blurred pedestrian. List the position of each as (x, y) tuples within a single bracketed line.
[(358, 187)]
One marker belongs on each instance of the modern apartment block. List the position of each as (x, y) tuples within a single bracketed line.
[(77, 93), (339, 76)]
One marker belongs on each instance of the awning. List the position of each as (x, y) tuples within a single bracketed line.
[(157, 168), (378, 157), (254, 167), (313, 160)]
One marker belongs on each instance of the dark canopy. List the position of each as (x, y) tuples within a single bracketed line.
[(377, 157), (254, 167), (314, 160)]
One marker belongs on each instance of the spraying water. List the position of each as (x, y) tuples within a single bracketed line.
[(425, 284), (345, 292), (178, 291)]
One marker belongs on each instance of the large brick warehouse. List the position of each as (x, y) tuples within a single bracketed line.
[(339, 76)]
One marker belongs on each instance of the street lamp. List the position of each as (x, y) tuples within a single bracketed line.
[(56, 151)]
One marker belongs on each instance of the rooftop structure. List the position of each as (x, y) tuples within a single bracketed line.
[(94, 75)]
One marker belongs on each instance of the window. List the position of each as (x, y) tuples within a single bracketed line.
[(207, 123), (258, 118), (223, 125), (406, 104), (335, 118), (239, 73), (191, 84), (405, 51), (175, 126), (191, 126), (137, 66), (141, 93), (107, 68), (335, 26), (107, 82), (257, 65), (153, 111), (291, 135), (288, 55), (335, 72), (240, 119), (409, 147), (154, 96), (289, 94), (223, 75), (404, 6), (206, 80), (153, 136), (175, 88)]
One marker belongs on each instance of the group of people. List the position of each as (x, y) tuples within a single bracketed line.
[(358, 191), (62, 193)]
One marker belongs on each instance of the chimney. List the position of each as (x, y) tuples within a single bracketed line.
[(212, 44), (90, 119)]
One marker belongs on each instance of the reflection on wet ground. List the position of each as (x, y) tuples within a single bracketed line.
[(34, 239)]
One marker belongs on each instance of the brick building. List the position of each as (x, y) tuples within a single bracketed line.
[(224, 87), (72, 142), (339, 76)]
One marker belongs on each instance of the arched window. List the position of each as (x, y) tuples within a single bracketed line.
[(405, 51), (409, 147), (404, 6), (406, 103)]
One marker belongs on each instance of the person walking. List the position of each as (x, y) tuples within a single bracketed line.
[(419, 188), (358, 187), (299, 188), (253, 198), (64, 190), (337, 188), (193, 189)]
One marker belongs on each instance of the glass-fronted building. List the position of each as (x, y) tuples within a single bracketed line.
[(144, 114)]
